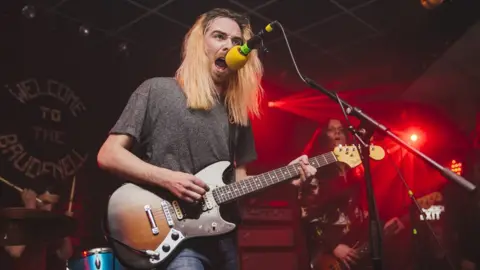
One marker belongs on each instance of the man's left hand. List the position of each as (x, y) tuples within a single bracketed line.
[(306, 170)]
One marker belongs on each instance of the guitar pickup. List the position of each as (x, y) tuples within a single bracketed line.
[(178, 210), (166, 211)]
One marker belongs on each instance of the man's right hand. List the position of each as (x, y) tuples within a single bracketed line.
[(29, 198), (348, 255), (185, 186)]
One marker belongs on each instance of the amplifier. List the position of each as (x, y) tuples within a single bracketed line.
[(267, 214), (269, 260), (263, 236)]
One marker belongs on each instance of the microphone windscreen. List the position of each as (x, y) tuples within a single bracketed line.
[(235, 59)]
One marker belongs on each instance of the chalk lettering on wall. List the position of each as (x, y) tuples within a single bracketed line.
[(29, 89), (51, 114), (48, 131)]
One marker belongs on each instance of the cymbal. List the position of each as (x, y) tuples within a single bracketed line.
[(21, 226)]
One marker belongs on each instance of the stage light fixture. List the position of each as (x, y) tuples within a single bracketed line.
[(83, 30), (122, 47), (456, 167), (29, 11)]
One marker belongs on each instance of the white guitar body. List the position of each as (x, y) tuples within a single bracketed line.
[(143, 220)]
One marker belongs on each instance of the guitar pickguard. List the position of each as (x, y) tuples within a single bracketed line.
[(173, 239)]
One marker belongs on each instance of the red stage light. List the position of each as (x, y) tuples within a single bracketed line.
[(271, 104), (413, 137), (456, 167)]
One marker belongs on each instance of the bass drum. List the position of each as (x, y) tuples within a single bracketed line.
[(95, 259)]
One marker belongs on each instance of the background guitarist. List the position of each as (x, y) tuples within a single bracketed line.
[(333, 206)]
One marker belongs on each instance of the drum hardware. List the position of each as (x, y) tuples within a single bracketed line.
[(95, 259), (21, 226)]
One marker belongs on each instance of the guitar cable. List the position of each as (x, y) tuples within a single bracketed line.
[(419, 209)]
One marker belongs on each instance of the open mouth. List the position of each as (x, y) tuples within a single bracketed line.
[(220, 63)]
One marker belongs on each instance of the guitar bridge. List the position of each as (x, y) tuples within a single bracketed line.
[(153, 224)]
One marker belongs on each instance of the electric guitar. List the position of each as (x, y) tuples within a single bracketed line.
[(327, 261), (330, 262), (146, 227)]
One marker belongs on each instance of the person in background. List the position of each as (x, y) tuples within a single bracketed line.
[(36, 256), (334, 209)]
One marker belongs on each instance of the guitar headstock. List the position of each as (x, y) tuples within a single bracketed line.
[(350, 155)]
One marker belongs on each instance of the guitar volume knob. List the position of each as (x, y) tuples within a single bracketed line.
[(175, 236)]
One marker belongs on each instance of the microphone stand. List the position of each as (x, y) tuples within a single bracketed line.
[(363, 134)]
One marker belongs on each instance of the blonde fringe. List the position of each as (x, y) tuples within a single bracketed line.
[(244, 92)]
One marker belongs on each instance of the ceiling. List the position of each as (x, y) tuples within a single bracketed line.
[(345, 44)]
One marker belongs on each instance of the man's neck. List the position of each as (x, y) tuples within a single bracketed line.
[(220, 88)]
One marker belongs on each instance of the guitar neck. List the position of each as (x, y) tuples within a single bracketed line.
[(256, 183)]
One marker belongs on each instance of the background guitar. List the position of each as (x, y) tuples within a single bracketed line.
[(327, 261)]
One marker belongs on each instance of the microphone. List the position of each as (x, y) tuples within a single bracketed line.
[(236, 57)]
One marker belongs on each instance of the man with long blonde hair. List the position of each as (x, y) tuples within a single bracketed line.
[(183, 124)]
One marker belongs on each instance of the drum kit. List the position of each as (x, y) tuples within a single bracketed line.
[(22, 226)]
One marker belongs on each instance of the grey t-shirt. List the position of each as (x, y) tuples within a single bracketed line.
[(170, 135)]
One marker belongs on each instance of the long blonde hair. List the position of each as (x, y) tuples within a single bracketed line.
[(244, 91)]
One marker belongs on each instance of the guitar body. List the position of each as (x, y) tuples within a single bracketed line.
[(144, 220), (327, 262)]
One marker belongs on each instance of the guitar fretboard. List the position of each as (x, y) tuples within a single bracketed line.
[(241, 188)]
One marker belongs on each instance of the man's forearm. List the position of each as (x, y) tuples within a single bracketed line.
[(241, 173), (123, 163)]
